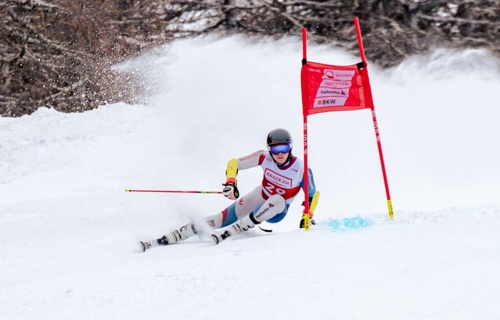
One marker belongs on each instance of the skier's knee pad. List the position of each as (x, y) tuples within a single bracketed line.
[(274, 205)]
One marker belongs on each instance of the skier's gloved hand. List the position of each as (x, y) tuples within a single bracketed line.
[(302, 222), (311, 220), (230, 190)]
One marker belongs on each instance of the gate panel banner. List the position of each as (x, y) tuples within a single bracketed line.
[(328, 88)]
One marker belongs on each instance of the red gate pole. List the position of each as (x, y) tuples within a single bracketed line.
[(374, 118), (307, 217)]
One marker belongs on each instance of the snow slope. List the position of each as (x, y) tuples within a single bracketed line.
[(68, 231)]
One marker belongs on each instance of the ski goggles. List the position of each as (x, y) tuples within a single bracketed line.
[(280, 148)]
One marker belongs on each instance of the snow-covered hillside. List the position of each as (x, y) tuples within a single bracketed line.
[(69, 231)]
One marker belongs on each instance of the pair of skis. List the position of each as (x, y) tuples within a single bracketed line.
[(147, 245)]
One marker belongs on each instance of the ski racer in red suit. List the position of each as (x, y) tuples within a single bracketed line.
[(281, 182)]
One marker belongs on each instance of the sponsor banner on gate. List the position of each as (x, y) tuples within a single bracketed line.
[(334, 88)]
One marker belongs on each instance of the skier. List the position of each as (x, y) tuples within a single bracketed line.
[(282, 180)]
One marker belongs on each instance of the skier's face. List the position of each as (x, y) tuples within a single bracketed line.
[(280, 158)]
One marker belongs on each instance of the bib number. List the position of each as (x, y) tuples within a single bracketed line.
[(272, 189)]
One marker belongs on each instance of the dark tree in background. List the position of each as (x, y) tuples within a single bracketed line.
[(392, 29), (59, 53)]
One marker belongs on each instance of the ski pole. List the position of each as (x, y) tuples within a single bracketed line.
[(174, 191)]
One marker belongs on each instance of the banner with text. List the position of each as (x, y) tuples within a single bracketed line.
[(327, 88)]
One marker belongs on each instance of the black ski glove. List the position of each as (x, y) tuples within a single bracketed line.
[(230, 191), (311, 220)]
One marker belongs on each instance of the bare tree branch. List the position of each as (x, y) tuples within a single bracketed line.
[(59, 53)]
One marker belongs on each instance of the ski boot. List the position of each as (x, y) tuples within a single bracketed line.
[(175, 236)]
